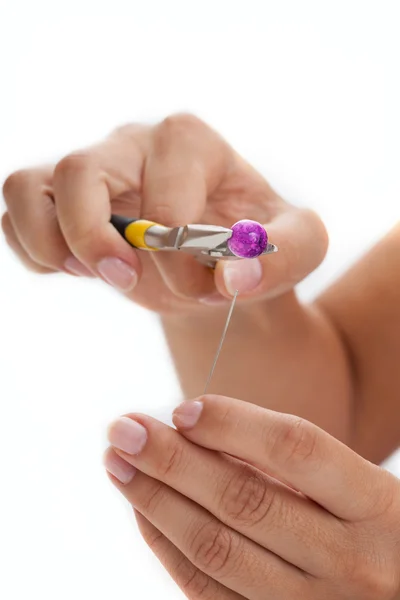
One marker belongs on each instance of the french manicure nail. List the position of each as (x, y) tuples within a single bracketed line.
[(242, 275), (75, 267), (187, 414), (118, 273), (118, 467), (127, 435)]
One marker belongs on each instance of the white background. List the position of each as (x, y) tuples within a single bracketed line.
[(307, 91)]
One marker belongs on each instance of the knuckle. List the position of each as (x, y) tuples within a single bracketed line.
[(387, 504), (171, 460), (212, 549), (123, 130), (319, 234), (179, 123), (181, 128), (83, 240), (295, 441), (227, 417), (380, 586), (74, 163), (152, 498), (193, 582), (153, 539), (42, 256), (247, 499), (375, 579), (371, 574), (6, 224), (129, 129), (15, 184), (34, 247)]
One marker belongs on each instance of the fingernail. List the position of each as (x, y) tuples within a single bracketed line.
[(213, 300), (127, 435), (118, 467), (118, 273), (187, 414), (242, 275), (73, 265)]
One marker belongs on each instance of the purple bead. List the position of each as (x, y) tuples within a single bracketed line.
[(249, 239)]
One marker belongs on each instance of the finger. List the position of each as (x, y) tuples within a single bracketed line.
[(302, 244), (219, 552), (237, 494), (84, 184), (184, 276), (288, 448), (195, 584), (152, 293), (31, 210), (14, 244), (186, 162)]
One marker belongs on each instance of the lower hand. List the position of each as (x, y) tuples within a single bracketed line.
[(243, 502)]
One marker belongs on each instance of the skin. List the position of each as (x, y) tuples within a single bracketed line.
[(265, 523), (332, 362)]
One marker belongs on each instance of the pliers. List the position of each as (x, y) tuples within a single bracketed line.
[(207, 243)]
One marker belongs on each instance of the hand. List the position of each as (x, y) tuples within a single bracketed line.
[(295, 515), (176, 172)]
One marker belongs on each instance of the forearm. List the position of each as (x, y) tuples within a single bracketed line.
[(335, 362), (364, 305), (279, 354)]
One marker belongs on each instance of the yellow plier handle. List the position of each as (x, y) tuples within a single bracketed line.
[(133, 230)]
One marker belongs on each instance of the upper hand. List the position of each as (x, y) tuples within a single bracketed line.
[(295, 515), (177, 172)]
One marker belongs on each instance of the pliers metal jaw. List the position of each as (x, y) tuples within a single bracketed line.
[(207, 243)]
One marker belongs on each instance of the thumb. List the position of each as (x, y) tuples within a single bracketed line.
[(302, 243)]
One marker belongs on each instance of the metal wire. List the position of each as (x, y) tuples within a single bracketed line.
[(221, 341)]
